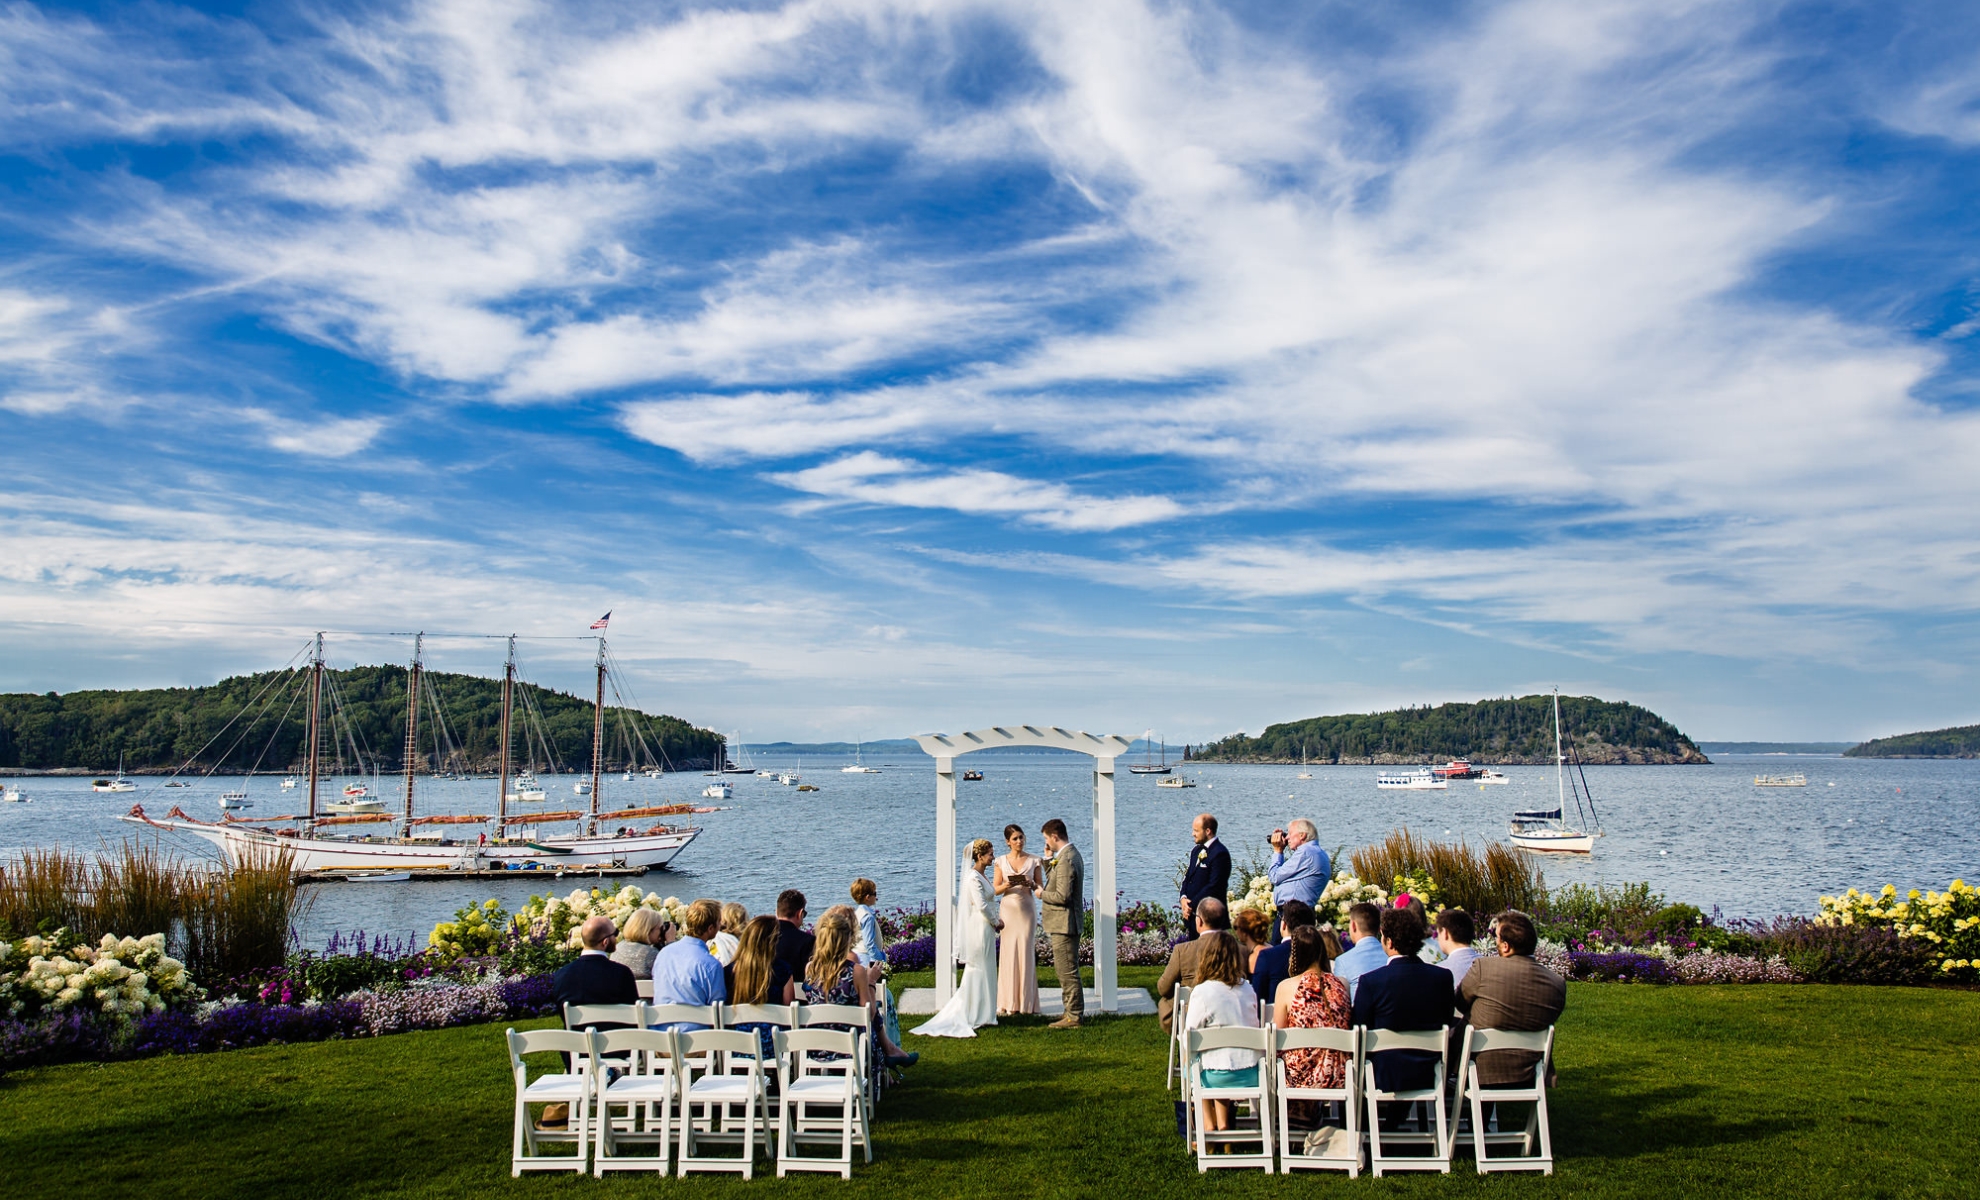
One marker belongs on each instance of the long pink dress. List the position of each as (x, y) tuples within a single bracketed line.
[(1017, 954)]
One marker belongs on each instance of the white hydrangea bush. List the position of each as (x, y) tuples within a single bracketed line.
[(557, 917), (123, 976)]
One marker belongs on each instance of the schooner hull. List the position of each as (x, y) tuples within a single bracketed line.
[(311, 854)]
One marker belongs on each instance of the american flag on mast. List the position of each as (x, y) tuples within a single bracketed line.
[(601, 622)]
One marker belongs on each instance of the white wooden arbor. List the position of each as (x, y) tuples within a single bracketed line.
[(945, 749)]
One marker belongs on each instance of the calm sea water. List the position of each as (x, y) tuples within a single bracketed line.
[(1700, 834)]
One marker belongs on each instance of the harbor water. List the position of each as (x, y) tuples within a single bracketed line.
[(1700, 834)]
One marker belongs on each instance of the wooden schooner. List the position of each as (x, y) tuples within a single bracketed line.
[(317, 842)]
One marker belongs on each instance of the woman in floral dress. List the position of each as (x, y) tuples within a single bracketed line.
[(1311, 998)]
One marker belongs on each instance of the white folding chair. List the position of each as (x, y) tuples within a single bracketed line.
[(645, 987), (1176, 1069), (1291, 1141), (1437, 1137), (1264, 1013), (1258, 1096), (706, 1015), (1534, 1139), (571, 1086), (799, 1121), (647, 1090), (717, 1093), (852, 1018)]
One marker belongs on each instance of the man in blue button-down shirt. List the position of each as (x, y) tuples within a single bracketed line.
[(1300, 870), (685, 972)]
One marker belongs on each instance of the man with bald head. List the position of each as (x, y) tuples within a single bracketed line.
[(594, 978), (1212, 914)]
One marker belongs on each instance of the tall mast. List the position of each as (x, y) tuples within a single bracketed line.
[(412, 723), (1560, 760), (597, 735), (508, 694), (315, 708)]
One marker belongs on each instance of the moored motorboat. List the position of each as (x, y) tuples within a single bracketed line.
[(1175, 781), (1795, 780), (1411, 781)]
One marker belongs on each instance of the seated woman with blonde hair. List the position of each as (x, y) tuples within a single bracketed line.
[(835, 976), (729, 936), (645, 932), (1223, 999)]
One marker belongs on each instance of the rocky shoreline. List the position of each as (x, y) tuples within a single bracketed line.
[(1595, 755)]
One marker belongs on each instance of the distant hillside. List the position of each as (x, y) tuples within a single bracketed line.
[(159, 728), (1774, 747), (1491, 731), (1962, 742)]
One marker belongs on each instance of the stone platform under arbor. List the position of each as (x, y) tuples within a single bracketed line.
[(1128, 1002)]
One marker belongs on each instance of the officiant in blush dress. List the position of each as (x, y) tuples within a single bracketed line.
[(1018, 878)]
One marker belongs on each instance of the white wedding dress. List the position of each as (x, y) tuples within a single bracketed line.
[(975, 1004)]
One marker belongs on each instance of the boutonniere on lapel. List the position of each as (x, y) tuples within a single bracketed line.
[(1202, 855)]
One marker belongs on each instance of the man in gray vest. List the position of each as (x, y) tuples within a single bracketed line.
[(1064, 903)]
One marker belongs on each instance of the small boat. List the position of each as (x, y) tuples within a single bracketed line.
[(378, 876), (807, 787), (1411, 781), (355, 791), (353, 805), (1780, 781), (721, 789), (766, 774), (235, 800), (973, 776), (626, 778), (582, 787), (1489, 776), (177, 783), (1175, 781), (528, 789), (119, 784), (13, 795), (858, 766), (288, 785), (1304, 773), (1547, 830), (1457, 768)]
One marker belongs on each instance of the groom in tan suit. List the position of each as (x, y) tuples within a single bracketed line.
[(1064, 918)]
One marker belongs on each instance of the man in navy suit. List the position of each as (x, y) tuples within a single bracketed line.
[(594, 978), (1208, 876), (1405, 994)]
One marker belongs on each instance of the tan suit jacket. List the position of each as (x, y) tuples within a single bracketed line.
[(1510, 993), (1063, 900), (1181, 970)]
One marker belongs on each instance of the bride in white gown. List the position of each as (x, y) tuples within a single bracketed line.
[(975, 1004)]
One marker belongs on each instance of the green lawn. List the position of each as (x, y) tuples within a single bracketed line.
[(1772, 1091)]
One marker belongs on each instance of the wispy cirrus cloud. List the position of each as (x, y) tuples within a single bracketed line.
[(871, 478)]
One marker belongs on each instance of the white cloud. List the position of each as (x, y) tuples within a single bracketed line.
[(870, 478), (339, 438)]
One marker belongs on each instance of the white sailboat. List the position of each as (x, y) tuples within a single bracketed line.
[(421, 843), (119, 784), (1304, 772), (1547, 830), (858, 766)]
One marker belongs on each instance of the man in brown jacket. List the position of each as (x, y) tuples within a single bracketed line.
[(1511, 991), (1210, 914), (1062, 905)]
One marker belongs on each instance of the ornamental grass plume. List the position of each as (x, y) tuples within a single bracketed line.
[(1491, 881)]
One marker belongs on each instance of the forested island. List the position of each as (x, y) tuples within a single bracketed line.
[(160, 729), (1960, 742), (1507, 731)]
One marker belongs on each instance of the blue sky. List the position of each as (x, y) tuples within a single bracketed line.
[(889, 367)]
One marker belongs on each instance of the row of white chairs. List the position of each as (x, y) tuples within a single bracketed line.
[(633, 1084), (1438, 1128)]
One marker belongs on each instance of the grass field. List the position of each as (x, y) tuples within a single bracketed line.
[(1761, 1091)]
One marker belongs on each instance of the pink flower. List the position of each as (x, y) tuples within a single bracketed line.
[(1402, 900)]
